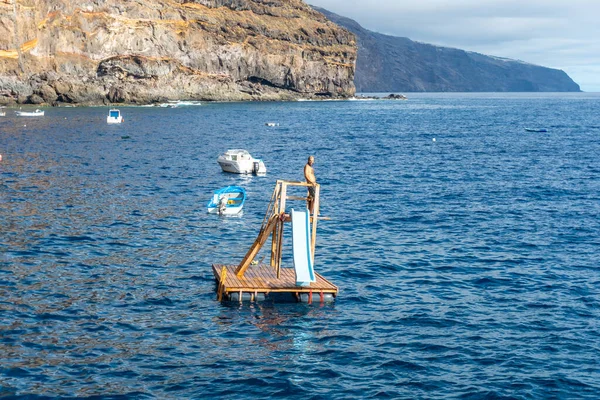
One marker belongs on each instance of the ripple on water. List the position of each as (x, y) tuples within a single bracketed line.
[(467, 266)]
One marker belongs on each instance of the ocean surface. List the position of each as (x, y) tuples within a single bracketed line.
[(466, 250)]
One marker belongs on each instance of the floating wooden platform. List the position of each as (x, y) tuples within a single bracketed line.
[(263, 279), (256, 282)]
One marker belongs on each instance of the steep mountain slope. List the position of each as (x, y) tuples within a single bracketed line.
[(395, 64), (134, 51)]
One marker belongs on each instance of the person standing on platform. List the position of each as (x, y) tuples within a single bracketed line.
[(309, 175)]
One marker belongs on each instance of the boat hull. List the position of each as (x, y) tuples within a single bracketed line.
[(227, 211), (242, 166), (30, 114), (227, 201), (111, 120)]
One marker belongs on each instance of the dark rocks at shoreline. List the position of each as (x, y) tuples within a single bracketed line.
[(391, 96), (396, 97)]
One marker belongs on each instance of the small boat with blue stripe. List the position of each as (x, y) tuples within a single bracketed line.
[(227, 201), (114, 116)]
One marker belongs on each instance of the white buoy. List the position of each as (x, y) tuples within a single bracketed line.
[(434, 139)]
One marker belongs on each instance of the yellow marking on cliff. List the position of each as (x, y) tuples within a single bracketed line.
[(25, 7), (9, 54), (91, 13), (14, 53), (133, 21), (196, 6), (50, 16), (29, 45)]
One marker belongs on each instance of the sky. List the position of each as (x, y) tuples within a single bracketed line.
[(558, 34)]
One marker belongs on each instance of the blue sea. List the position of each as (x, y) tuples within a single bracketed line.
[(466, 251)]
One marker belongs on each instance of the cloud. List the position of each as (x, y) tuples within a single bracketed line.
[(552, 33)]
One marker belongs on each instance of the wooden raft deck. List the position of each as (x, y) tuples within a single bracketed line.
[(263, 279)]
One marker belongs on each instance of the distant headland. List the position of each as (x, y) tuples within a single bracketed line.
[(396, 64)]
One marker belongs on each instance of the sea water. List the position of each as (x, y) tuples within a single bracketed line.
[(466, 250)]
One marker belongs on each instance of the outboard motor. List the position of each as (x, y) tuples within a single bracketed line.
[(255, 167), (222, 204)]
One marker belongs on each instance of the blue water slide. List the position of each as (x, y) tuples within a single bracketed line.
[(301, 249)]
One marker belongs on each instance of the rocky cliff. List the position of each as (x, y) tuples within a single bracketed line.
[(134, 51), (395, 64)]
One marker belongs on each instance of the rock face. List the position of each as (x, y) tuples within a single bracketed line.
[(132, 51), (394, 64)]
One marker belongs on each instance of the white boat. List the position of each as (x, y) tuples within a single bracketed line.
[(239, 161), (36, 113), (114, 116), (227, 201), (2, 114)]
